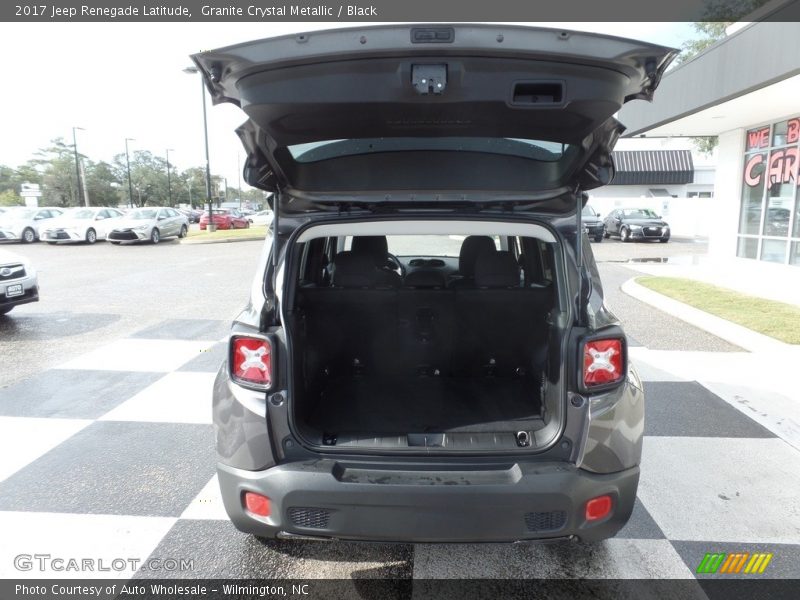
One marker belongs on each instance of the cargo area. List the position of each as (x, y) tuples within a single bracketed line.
[(383, 360)]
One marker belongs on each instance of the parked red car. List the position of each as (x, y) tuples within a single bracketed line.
[(226, 219)]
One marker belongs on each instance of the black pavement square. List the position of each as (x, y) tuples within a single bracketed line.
[(688, 409), (208, 360), (185, 329), (72, 394), (641, 525), (218, 550), (121, 468), (784, 563)]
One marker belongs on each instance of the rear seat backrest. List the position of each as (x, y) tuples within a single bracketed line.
[(502, 328), (426, 324)]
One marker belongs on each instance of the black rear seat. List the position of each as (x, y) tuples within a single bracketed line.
[(361, 326), (502, 327)]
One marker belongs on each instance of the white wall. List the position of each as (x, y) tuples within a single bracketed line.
[(687, 217), (727, 192)]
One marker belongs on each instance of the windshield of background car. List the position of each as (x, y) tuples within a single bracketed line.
[(141, 215), (82, 214), (534, 149), (639, 213), (20, 213), (588, 211)]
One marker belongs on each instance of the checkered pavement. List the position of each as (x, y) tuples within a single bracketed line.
[(111, 455)]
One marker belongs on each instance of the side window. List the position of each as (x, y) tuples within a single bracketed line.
[(161, 214), (113, 213)]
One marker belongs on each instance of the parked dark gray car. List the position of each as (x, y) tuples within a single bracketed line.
[(636, 224), (425, 355)]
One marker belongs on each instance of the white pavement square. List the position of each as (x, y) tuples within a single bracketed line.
[(722, 489), (23, 440), (181, 397), (157, 356), (118, 543)]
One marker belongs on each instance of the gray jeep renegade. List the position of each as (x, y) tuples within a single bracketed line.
[(425, 355)]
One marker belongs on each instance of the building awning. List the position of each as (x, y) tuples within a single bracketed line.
[(653, 167)]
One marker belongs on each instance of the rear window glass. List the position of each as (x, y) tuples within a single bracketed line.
[(424, 245), (533, 149)]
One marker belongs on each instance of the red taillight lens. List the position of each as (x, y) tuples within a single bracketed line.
[(602, 362), (257, 504), (251, 360), (598, 508)]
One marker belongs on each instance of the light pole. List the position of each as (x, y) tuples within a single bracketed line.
[(169, 180), (128, 162), (78, 166), (211, 226)]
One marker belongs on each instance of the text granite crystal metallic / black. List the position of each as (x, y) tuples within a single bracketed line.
[(425, 355)]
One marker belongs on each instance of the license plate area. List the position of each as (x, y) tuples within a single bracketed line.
[(14, 290)]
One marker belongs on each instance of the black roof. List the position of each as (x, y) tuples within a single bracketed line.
[(648, 167)]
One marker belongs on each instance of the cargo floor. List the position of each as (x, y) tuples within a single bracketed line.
[(399, 405)]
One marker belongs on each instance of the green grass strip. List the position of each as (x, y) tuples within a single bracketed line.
[(769, 317)]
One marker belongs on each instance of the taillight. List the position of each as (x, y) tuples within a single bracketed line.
[(251, 361), (598, 508), (257, 504), (603, 362)]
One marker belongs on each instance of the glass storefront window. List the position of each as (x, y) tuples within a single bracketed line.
[(752, 193), (748, 248), (773, 251), (769, 217)]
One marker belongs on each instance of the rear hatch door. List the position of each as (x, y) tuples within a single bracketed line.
[(433, 113)]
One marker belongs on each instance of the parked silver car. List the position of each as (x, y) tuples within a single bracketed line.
[(150, 223), (82, 225), (18, 281), (22, 224)]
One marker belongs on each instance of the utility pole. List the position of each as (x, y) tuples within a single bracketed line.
[(169, 180), (78, 167)]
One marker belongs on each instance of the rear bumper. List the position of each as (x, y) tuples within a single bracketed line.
[(505, 503)]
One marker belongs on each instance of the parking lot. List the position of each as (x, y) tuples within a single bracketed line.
[(108, 447)]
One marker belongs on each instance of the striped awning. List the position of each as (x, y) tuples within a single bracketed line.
[(649, 167)]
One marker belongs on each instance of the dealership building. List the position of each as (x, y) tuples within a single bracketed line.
[(744, 89)]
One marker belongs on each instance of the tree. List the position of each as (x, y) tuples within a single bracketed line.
[(102, 184), (10, 198), (56, 164), (148, 177)]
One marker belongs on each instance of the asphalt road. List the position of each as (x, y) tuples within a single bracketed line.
[(92, 294), (144, 460)]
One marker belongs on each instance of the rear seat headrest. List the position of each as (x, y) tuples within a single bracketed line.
[(496, 269), (472, 247), (375, 246), (425, 279), (354, 270)]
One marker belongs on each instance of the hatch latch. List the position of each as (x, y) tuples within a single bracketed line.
[(429, 79)]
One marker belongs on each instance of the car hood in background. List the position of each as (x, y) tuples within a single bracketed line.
[(124, 223), (432, 112)]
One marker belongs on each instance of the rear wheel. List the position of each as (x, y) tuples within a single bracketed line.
[(247, 224), (664, 240), (155, 236), (605, 233), (28, 236), (91, 236), (625, 235), (598, 238), (184, 231)]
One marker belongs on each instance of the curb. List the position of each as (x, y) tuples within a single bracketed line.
[(722, 328), (222, 240)]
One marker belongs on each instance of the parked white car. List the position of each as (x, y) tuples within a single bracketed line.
[(261, 218), (82, 225), (22, 224), (18, 281), (149, 223)]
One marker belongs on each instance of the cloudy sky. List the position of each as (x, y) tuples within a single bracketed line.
[(119, 80)]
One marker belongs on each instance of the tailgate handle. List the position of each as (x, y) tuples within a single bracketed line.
[(433, 35), (429, 79), (538, 93)]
